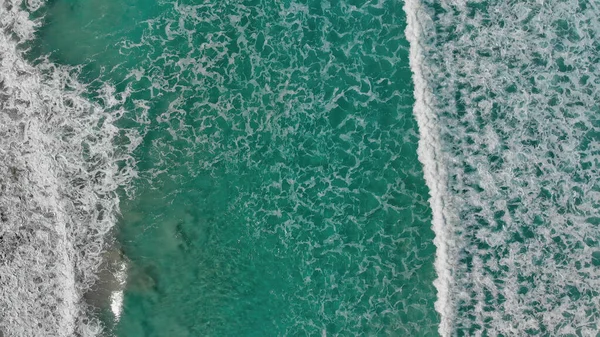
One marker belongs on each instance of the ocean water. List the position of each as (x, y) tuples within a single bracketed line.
[(299, 168), (277, 189)]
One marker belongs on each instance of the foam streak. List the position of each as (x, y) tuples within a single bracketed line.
[(431, 157)]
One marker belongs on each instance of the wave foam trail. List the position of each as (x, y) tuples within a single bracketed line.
[(507, 102), (431, 157), (58, 182)]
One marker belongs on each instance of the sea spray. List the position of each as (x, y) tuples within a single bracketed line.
[(515, 95), (58, 187)]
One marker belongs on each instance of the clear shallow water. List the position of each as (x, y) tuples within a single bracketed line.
[(279, 191)]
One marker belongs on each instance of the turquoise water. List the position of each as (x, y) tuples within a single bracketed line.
[(308, 168), (279, 191)]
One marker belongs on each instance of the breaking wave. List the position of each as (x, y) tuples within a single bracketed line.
[(507, 102), (60, 171)]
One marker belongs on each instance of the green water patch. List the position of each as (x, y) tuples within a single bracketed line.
[(279, 190)]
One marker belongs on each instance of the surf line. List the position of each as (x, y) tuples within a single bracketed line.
[(419, 24)]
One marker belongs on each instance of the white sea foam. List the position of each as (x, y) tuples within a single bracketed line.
[(431, 156), (116, 298), (58, 181), (507, 106)]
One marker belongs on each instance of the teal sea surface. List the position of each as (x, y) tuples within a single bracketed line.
[(279, 191), (191, 168)]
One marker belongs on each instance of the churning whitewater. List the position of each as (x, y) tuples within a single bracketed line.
[(58, 183), (431, 156), (507, 99)]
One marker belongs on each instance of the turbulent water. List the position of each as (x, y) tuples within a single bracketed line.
[(58, 177), (507, 97), (309, 168)]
